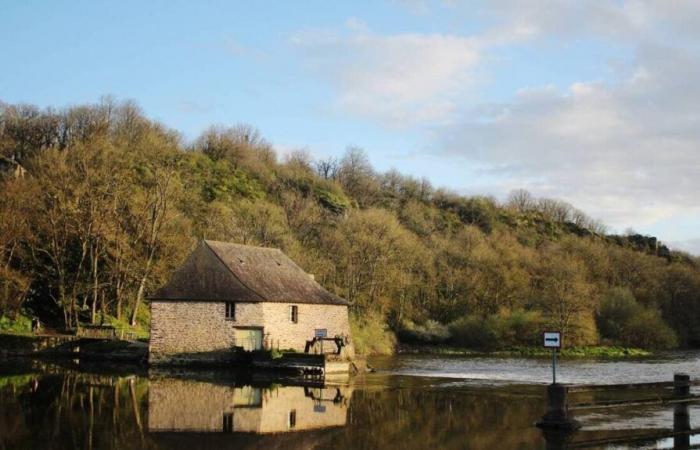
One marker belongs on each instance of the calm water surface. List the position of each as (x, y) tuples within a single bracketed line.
[(410, 403)]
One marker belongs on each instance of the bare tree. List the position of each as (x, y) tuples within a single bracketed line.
[(357, 176), (521, 200), (555, 210), (328, 168), (300, 159)]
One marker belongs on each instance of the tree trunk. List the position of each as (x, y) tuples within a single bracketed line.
[(93, 312), (118, 290), (142, 289)]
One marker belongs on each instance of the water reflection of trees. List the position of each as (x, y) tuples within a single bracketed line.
[(73, 410), (76, 410), (442, 418)]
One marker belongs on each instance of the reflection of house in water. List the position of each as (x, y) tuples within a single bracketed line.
[(194, 406)]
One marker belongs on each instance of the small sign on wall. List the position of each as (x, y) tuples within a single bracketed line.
[(320, 333)]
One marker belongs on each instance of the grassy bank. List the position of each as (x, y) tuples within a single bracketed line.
[(604, 352)]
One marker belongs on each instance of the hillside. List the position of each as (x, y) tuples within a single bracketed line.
[(98, 204)]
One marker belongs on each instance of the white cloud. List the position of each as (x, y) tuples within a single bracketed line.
[(627, 151), (625, 148), (398, 79)]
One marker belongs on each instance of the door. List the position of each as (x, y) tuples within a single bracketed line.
[(249, 338)]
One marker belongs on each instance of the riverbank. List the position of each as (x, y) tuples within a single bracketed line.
[(114, 351), (603, 352), (68, 346)]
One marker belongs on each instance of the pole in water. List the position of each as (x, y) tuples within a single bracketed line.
[(557, 415), (552, 340)]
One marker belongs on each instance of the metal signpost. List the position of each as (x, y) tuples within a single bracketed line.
[(552, 339)]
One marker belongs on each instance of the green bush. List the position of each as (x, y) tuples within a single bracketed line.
[(624, 321), (522, 328), (497, 331), (648, 330), (19, 325), (430, 332), (371, 335), (475, 332), (336, 202), (616, 309)]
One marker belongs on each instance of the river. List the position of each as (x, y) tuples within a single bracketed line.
[(410, 402), (539, 370)]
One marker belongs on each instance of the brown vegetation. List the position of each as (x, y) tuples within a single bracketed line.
[(109, 202)]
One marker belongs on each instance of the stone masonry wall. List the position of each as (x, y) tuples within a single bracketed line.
[(284, 334), (183, 331)]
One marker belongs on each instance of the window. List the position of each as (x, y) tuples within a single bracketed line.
[(292, 419), (228, 422), (230, 311), (293, 313)]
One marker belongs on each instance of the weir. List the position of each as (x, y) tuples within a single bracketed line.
[(559, 427)]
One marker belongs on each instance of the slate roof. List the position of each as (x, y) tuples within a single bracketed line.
[(221, 271)]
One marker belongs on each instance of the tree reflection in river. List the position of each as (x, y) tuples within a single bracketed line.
[(72, 410)]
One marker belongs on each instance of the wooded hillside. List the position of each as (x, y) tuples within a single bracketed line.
[(98, 204)]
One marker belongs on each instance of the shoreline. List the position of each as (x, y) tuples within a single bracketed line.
[(14, 345), (593, 352), (128, 353)]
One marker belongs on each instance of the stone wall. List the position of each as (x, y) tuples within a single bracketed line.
[(282, 333), (185, 331)]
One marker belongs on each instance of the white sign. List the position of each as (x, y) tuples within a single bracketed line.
[(552, 339)]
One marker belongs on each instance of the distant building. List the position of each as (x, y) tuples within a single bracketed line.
[(228, 296)]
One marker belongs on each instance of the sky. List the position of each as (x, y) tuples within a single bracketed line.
[(596, 103)]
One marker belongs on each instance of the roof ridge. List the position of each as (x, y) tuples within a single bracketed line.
[(235, 244), (232, 272)]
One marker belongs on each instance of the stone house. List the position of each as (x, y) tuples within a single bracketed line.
[(228, 296)]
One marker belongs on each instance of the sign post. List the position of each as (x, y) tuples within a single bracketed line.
[(552, 339), (557, 416)]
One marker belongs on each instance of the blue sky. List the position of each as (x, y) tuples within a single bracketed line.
[(584, 101)]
